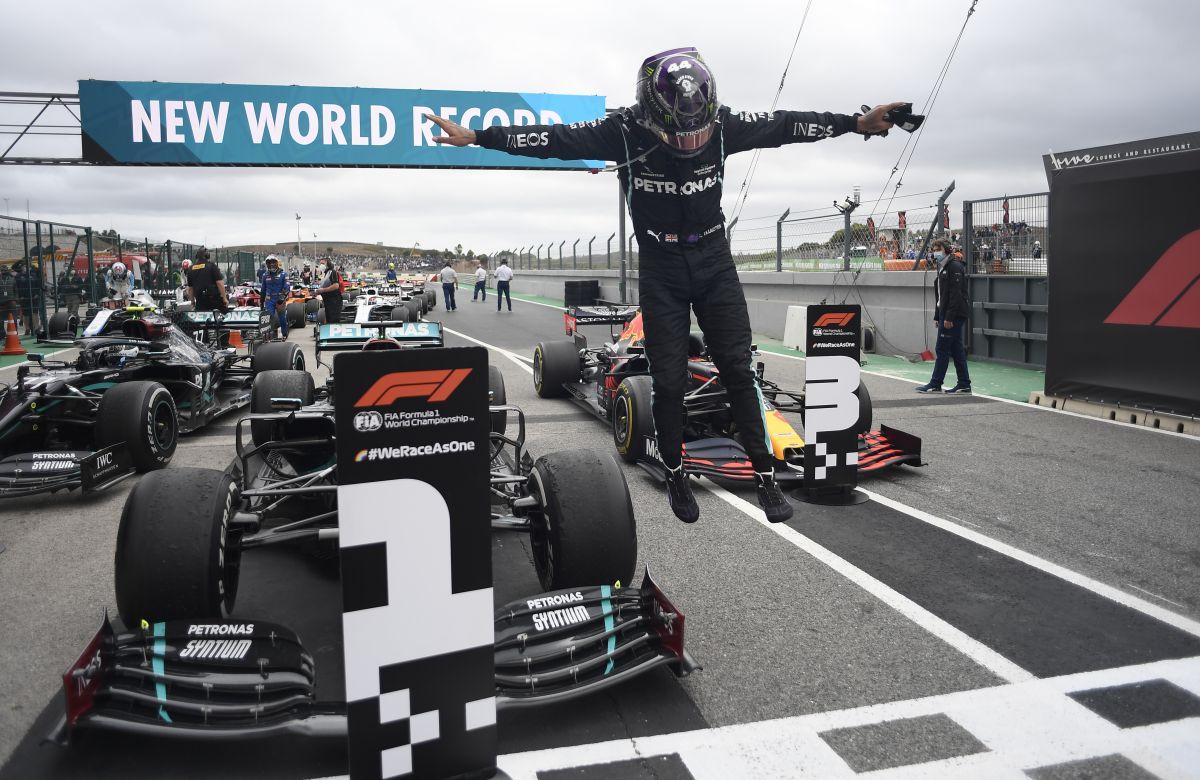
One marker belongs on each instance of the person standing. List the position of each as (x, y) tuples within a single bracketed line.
[(480, 283), (205, 285), (275, 288), (449, 281), (504, 276), (331, 292), (950, 313), (28, 281)]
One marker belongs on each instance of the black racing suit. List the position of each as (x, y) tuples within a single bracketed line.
[(675, 203)]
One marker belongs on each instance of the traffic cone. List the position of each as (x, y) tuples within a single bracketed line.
[(235, 339), (12, 342)]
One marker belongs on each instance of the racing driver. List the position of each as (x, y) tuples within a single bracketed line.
[(670, 150), (275, 289)]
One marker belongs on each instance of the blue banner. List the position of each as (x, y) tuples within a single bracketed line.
[(154, 123)]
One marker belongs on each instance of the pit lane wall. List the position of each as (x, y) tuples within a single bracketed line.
[(899, 303)]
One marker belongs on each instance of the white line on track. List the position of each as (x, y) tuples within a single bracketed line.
[(1075, 578), (972, 648), (1022, 404), (513, 356)]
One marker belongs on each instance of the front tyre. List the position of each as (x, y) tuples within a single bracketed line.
[(277, 356), (632, 419), (499, 420), (143, 416), (584, 531), (174, 555)]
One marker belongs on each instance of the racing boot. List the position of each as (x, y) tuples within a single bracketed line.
[(679, 495), (774, 503)]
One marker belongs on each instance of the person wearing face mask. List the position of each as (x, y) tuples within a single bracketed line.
[(950, 314), (331, 291), (670, 149)]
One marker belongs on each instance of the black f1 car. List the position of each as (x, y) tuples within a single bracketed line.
[(613, 382), (140, 380), (182, 668)]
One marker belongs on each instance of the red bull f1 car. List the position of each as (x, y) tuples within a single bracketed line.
[(180, 666), (612, 381)]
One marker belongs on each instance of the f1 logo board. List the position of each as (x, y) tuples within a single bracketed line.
[(413, 509), (831, 408)]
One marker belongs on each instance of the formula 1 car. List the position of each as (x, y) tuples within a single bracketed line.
[(377, 304), (300, 303), (177, 576), (138, 382), (613, 382)]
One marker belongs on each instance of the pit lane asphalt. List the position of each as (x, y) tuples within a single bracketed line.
[(779, 633)]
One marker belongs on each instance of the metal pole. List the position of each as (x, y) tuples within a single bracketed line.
[(608, 251), (968, 236), (624, 284), (53, 272), (846, 237), (560, 246), (729, 228), (590, 253), (574, 259), (539, 256), (91, 268), (937, 219), (779, 241), (298, 252)]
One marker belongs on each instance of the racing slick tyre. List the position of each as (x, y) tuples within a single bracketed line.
[(632, 420), (430, 299), (311, 306), (143, 415), (174, 559), (277, 356), (697, 347), (415, 307), (584, 531), (554, 364), (278, 384), (498, 398), (865, 410), (403, 313), (295, 314), (61, 323)]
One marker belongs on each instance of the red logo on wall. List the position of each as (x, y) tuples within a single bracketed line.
[(1169, 294)]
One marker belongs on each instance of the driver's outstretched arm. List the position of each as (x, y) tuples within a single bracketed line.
[(599, 139)]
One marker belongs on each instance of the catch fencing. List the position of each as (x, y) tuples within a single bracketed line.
[(48, 266), (1007, 235)]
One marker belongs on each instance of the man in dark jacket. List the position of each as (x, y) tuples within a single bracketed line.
[(950, 314), (670, 150)]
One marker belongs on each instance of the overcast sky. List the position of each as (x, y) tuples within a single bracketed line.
[(1031, 75)]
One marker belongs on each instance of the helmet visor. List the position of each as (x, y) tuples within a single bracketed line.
[(691, 141)]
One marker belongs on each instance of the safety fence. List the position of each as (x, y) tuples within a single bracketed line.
[(47, 266), (1007, 235)]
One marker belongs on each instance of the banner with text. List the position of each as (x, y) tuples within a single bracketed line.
[(161, 123)]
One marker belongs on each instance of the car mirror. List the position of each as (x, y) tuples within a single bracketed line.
[(35, 357)]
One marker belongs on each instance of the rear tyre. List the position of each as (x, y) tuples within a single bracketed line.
[(295, 314), (143, 415), (403, 313), (430, 299), (584, 533), (277, 356), (632, 419), (61, 324), (865, 410), (554, 364), (415, 307), (311, 305), (278, 384), (498, 398), (174, 558)]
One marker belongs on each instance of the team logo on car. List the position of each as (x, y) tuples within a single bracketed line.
[(365, 422)]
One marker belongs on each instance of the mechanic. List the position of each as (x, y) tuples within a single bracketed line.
[(391, 273), (331, 292), (671, 149), (275, 288), (306, 276), (117, 282), (205, 285), (950, 313), (27, 280), (504, 276), (449, 279), (480, 283)]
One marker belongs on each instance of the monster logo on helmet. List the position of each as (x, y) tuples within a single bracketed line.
[(677, 100)]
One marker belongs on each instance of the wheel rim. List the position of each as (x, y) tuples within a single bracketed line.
[(537, 369), (621, 425), (539, 536), (163, 426)]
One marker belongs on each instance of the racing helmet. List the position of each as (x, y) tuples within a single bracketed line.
[(271, 259), (186, 264), (118, 270), (677, 100), (392, 266)]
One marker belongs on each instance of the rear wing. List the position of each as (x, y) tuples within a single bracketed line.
[(239, 318), (354, 335), (601, 313)]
